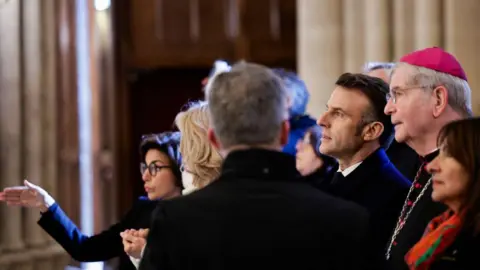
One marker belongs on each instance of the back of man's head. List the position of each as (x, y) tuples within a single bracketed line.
[(248, 107)]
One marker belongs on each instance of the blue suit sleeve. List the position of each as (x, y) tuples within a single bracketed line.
[(100, 247)]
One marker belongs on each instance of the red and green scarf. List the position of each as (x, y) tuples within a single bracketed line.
[(439, 235)]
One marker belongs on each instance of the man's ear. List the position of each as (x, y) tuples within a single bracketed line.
[(440, 95), (213, 138), (284, 131), (372, 131)]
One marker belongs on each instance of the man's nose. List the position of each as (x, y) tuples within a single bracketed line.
[(389, 108), (322, 121)]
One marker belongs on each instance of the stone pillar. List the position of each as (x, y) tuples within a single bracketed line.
[(462, 38), (428, 27), (33, 110), (377, 30), (353, 35), (28, 126), (11, 119), (49, 121), (403, 28), (319, 43)]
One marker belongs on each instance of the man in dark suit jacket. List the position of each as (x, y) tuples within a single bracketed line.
[(355, 132), (257, 214)]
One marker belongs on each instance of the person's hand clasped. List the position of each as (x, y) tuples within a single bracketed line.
[(134, 241), (29, 195)]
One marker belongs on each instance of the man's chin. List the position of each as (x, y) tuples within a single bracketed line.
[(400, 137), (326, 152)]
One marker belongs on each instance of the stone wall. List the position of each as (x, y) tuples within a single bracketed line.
[(336, 36)]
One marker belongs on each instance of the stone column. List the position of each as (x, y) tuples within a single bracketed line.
[(28, 126), (319, 43), (462, 38), (11, 119), (49, 121), (428, 25), (33, 110), (353, 35), (403, 28), (377, 30)]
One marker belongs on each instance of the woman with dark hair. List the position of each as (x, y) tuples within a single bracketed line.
[(201, 163), (316, 167), (451, 240), (162, 180)]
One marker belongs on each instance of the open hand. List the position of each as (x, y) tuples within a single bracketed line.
[(28, 195)]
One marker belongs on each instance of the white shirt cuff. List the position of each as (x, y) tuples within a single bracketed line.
[(136, 261)]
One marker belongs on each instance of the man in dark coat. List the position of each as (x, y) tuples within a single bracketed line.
[(257, 214), (428, 89), (356, 132)]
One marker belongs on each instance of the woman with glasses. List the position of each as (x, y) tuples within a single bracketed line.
[(314, 166), (162, 180), (160, 165), (201, 164)]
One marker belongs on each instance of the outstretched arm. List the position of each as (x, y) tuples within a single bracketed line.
[(55, 222), (83, 248)]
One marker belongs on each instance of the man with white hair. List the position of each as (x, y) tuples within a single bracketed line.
[(428, 89), (257, 214), (400, 154)]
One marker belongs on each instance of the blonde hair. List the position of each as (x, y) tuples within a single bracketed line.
[(198, 154)]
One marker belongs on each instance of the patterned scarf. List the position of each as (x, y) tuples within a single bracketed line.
[(439, 235)]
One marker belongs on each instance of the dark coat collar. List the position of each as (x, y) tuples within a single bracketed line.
[(374, 163), (260, 163), (424, 160), (430, 157), (377, 159)]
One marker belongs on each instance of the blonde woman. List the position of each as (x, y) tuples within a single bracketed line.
[(200, 160)]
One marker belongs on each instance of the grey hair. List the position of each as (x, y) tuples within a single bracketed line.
[(371, 66), (247, 105), (459, 92)]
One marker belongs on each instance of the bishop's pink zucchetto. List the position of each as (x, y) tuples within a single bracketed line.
[(436, 59)]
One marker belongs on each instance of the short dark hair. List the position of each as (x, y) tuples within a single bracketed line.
[(169, 144), (376, 90), (461, 140)]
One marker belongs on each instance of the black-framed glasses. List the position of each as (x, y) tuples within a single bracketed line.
[(152, 168)]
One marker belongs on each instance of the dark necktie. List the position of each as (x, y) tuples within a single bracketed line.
[(337, 178)]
